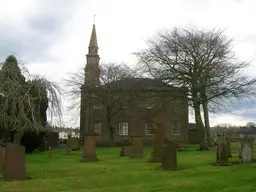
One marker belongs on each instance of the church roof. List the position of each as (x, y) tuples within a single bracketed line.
[(141, 83), (93, 40)]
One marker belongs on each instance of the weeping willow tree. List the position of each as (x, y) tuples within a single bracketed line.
[(25, 99)]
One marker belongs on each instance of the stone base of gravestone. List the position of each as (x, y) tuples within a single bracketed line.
[(75, 143), (169, 159), (126, 149), (158, 142), (137, 146), (89, 148), (14, 166)]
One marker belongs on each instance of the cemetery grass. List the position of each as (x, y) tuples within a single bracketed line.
[(121, 174)]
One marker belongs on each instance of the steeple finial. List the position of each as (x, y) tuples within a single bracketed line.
[(93, 40), (94, 19)]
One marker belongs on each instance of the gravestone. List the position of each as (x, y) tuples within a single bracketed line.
[(14, 165), (158, 142), (169, 158), (69, 145), (126, 149), (222, 151), (246, 153), (2, 157), (49, 152), (137, 146), (75, 143), (229, 148), (89, 147), (43, 145)]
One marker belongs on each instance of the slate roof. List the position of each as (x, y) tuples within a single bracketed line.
[(249, 132)]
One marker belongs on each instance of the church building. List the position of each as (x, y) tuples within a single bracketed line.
[(150, 102)]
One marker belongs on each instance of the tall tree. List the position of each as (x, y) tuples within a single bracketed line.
[(24, 102), (201, 60)]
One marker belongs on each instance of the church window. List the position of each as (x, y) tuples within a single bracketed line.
[(175, 128), (149, 128), (123, 128)]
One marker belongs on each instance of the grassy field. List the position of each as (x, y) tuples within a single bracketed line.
[(118, 174)]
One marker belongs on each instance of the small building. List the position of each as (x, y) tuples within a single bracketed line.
[(194, 135)]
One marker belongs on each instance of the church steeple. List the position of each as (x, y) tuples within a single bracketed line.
[(93, 45), (92, 70)]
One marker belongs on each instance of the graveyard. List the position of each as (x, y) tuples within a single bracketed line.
[(114, 173)]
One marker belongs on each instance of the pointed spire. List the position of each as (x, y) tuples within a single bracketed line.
[(93, 40)]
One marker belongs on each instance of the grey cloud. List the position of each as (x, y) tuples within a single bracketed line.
[(41, 29)]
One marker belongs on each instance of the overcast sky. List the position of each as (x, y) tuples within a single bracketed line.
[(52, 36)]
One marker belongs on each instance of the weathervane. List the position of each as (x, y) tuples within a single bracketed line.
[(94, 19)]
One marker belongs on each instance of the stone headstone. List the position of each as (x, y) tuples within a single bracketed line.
[(169, 158), (89, 147), (158, 142), (75, 143), (126, 149), (229, 148), (222, 151), (69, 145), (2, 157), (49, 152), (43, 144), (137, 146), (246, 153), (14, 165)]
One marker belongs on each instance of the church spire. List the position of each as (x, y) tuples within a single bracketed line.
[(93, 45)]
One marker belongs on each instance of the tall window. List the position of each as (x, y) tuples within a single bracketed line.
[(175, 128), (123, 128), (149, 103), (149, 128)]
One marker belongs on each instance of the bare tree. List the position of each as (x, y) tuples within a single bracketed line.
[(113, 93), (250, 124), (201, 60)]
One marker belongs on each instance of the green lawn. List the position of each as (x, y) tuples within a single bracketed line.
[(116, 174)]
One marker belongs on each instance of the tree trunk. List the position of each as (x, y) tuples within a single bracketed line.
[(207, 123), (201, 128), (111, 130), (17, 138)]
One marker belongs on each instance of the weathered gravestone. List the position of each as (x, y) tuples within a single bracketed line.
[(126, 149), (222, 151), (89, 147), (137, 146), (43, 145), (246, 153), (158, 142), (69, 145), (229, 148), (2, 157), (75, 143), (14, 165), (49, 152), (169, 158)]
